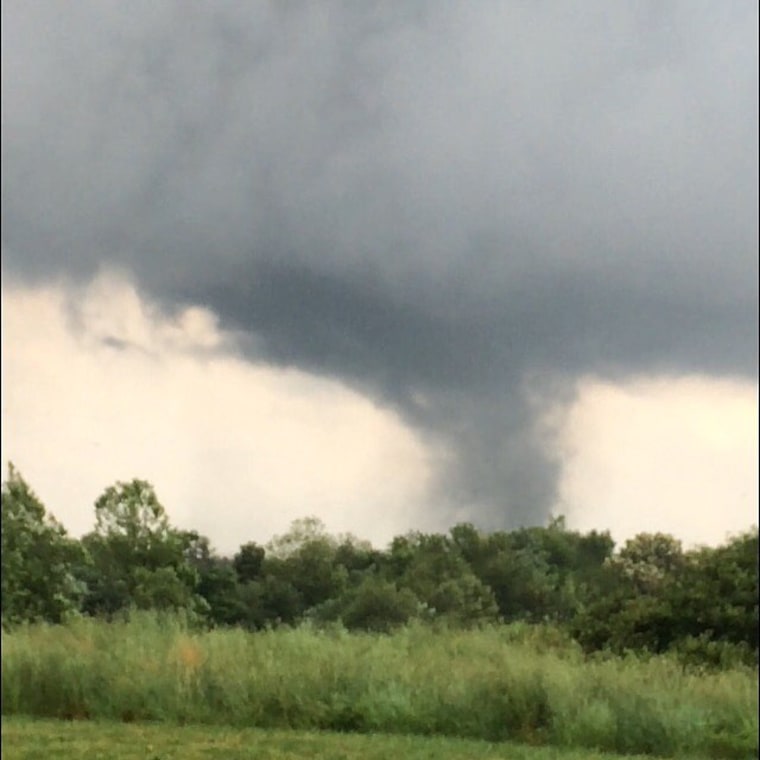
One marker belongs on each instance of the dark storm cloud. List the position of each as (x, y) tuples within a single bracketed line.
[(448, 205)]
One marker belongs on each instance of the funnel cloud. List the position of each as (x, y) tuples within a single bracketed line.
[(458, 209)]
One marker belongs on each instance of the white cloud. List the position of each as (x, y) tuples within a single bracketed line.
[(236, 451), (677, 455)]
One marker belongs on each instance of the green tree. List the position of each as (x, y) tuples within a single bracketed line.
[(650, 560), (357, 557), (248, 561), (306, 559), (38, 559), (378, 605), (639, 603), (270, 601), (718, 597), (162, 589), (218, 585), (137, 558), (522, 582), (464, 601), (303, 531), (434, 568)]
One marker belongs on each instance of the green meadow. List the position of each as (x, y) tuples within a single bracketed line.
[(501, 686), (28, 739)]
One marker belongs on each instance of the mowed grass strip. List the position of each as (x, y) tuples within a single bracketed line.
[(29, 739)]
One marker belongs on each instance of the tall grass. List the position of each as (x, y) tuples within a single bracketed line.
[(518, 683)]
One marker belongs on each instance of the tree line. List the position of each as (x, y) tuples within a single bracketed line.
[(647, 595)]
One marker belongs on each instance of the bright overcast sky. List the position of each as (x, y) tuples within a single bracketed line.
[(393, 265)]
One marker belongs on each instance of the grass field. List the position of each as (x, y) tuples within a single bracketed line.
[(516, 684), (26, 739)]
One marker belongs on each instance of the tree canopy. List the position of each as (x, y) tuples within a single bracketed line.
[(650, 594)]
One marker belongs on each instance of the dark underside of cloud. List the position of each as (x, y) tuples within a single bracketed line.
[(458, 208)]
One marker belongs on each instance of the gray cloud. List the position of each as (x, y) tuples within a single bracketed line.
[(445, 205)]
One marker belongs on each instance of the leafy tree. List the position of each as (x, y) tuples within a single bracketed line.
[(357, 557), (303, 531), (248, 561), (38, 558), (137, 558), (305, 559), (132, 513), (270, 601), (719, 593), (435, 570), (217, 581), (656, 597), (218, 585), (464, 601), (592, 551), (162, 589), (378, 605), (650, 560), (471, 543), (539, 573), (316, 574), (522, 582)]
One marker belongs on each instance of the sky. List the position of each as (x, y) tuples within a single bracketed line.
[(394, 265)]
